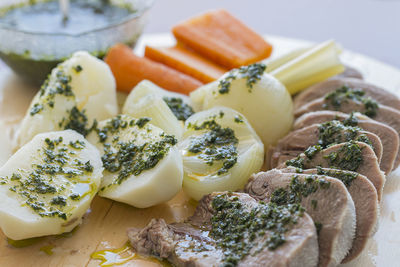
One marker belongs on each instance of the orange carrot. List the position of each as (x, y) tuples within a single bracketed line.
[(222, 38), (186, 61), (130, 69)]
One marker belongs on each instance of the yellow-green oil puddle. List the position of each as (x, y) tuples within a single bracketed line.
[(47, 249), (110, 257)]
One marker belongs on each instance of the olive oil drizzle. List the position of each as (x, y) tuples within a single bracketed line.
[(124, 254), (110, 257)]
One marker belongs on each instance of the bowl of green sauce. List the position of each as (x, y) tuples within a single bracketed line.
[(35, 36)]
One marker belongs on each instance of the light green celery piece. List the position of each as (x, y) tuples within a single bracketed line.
[(315, 65)]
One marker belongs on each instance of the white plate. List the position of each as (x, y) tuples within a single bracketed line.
[(382, 250)]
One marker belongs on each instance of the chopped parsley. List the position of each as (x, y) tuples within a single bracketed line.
[(78, 68), (76, 120), (234, 226), (343, 94), (133, 156), (36, 108), (334, 132), (215, 144), (142, 122), (347, 177), (297, 189), (348, 157), (181, 110), (251, 73)]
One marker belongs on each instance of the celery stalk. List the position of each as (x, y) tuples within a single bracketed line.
[(314, 65), (274, 63)]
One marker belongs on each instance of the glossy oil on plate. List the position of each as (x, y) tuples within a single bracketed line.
[(104, 226)]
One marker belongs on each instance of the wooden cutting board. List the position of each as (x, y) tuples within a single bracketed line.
[(104, 226)]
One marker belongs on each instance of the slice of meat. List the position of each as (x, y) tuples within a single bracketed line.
[(325, 199), (322, 134), (351, 156), (389, 137), (319, 90), (349, 72), (384, 114), (322, 116), (277, 159), (365, 200), (349, 106), (220, 226)]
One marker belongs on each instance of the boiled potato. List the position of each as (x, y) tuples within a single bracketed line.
[(77, 92), (143, 166), (220, 151), (166, 109), (47, 185), (261, 98)]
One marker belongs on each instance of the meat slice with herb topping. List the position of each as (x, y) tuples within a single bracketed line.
[(233, 229), (325, 199)]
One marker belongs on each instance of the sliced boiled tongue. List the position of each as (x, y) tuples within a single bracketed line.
[(319, 90), (351, 156), (324, 134), (352, 96), (365, 199), (233, 229), (388, 136), (325, 199)]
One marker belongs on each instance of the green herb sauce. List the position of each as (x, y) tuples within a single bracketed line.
[(297, 189), (251, 73), (44, 17), (181, 110), (238, 119), (234, 225), (312, 150), (348, 157), (318, 226), (297, 162), (334, 132), (215, 144), (351, 120), (75, 119), (142, 122), (344, 94), (347, 177), (130, 157)]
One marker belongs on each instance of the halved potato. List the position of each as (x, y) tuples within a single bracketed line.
[(166, 109), (220, 151), (260, 97), (48, 185), (78, 91), (143, 166)]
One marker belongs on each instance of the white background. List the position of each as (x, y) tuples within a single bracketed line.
[(370, 27)]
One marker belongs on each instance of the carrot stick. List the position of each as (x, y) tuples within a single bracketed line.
[(222, 38), (130, 69), (186, 61)]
